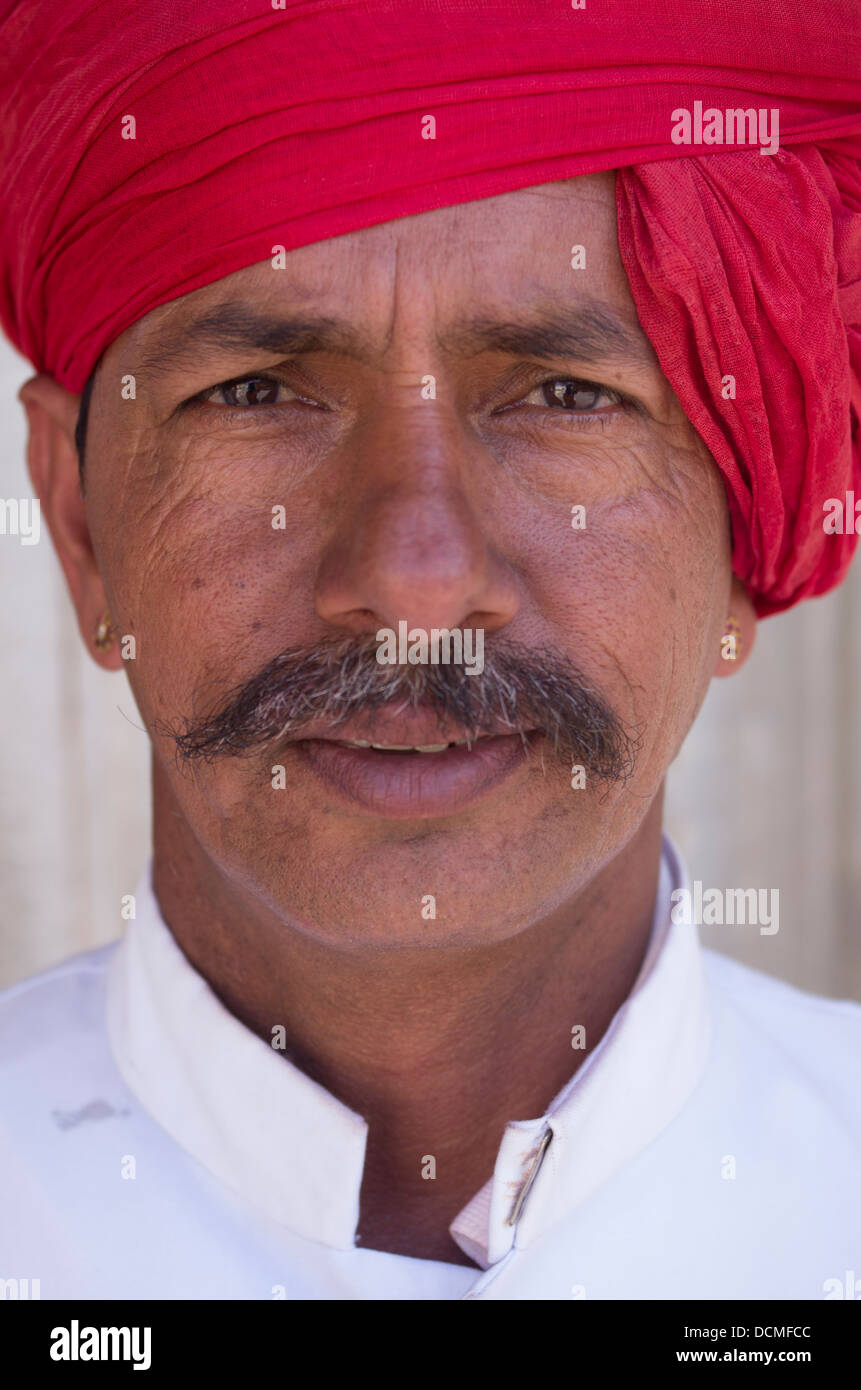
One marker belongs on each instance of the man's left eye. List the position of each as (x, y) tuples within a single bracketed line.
[(571, 394), (248, 391)]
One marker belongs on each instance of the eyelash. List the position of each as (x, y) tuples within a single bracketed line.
[(584, 419)]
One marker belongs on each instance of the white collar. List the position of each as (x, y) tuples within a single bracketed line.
[(292, 1150)]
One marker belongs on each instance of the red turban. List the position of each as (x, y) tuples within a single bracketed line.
[(260, 123)]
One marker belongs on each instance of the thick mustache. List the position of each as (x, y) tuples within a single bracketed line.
[(520, 689)]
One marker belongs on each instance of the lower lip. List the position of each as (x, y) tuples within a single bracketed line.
[(404, 786)]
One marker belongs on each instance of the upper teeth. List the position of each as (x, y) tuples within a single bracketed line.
[(404, 747)]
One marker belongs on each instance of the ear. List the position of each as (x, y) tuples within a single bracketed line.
[(739, 632), (52, 460)]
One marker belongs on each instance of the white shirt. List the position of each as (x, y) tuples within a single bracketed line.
[(151, 1146)]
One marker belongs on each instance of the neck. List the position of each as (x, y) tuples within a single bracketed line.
[(437, 1051)]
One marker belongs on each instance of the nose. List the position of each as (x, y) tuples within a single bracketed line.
[(414, 543)]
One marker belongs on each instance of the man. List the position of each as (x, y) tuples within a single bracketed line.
[(406, 1008)]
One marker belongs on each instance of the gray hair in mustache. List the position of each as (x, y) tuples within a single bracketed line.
[(519, 688)]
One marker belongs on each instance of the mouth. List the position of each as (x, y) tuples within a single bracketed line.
[(409, 747), (420, 780)]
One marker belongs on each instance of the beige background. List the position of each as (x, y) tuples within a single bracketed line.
[(766, 793)]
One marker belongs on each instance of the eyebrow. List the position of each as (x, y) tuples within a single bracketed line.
[(590, 332), (234, 325)]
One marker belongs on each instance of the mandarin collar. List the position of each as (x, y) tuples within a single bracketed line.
[(294, 1152)]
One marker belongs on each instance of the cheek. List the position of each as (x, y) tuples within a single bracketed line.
[(216, 572), (211, 577), (637, 598)]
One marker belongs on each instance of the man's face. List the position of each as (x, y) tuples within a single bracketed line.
[(445, 504)]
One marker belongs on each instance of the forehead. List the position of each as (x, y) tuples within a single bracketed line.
[(418, 274)]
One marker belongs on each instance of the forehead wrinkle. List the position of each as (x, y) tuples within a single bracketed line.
[(235, 324)]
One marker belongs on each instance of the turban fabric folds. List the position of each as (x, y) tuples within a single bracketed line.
[(264, 123), (747, 280)]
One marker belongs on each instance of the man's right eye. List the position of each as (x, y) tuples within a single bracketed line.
[(245, 391)]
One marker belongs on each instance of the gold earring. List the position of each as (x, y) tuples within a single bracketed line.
[(731, 640), (103, 639)]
